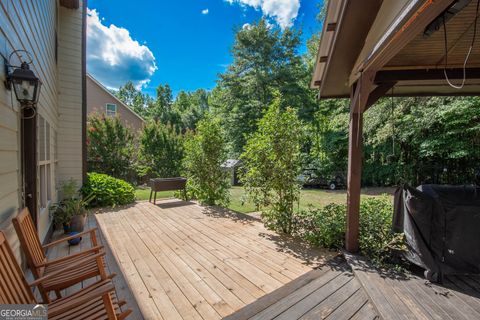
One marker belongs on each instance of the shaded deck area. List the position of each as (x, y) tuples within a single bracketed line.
[(398, 295), (122, 289), (330, 292)]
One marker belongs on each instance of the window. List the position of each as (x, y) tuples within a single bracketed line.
[(46, 161), (111, 109)]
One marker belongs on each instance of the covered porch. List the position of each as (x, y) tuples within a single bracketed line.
[(393, 48)]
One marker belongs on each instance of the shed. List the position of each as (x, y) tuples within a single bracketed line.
[(232, 166), (371, 49)]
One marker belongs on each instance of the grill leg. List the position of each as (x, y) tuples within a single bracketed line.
[(155, 198), (151, 192)]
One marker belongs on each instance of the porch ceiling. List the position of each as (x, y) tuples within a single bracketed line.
[(421, 61)]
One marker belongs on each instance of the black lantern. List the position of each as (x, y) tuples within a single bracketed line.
[(25, 84)]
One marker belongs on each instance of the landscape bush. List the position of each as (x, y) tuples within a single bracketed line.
[(161, 150), (271, 165), (107, 190), (325, 227), (205, 152), (110, 147)]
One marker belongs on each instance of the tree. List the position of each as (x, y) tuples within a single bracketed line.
[(190, 106), (110, 147), (161, 150), (265, 60), (133, 98), (272, 164), (422, 140), (205, 152), (160, 109)]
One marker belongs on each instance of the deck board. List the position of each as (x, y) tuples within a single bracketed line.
[(122, 290), (330, 292), (183, 261), (408, 296)]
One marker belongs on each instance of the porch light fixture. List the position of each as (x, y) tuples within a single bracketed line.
[(25, 83)]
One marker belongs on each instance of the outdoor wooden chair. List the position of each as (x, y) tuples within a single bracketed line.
[(97, 301), (41, 266)]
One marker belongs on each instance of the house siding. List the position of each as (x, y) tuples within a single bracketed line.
[(33, 26), (70, 82), (98, 97)]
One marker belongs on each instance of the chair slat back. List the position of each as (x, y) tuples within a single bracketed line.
[(14, 288), (30, 242)]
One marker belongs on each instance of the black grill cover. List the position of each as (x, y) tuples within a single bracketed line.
[(441, 226)]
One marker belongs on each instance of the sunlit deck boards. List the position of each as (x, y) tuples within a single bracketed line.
[(182, 262)]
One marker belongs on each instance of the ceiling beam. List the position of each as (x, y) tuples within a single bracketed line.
[(418, 75), (378, 93)]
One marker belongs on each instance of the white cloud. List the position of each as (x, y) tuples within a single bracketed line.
[(284, 12), (246, 26), (205, 11), (113, 57)]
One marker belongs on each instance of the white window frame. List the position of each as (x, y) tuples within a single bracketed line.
[(46, 163), (110, 113)]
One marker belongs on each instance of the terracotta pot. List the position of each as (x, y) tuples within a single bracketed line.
[(77, 223)]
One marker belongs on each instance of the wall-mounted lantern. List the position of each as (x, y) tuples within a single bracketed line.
[(25, 83)]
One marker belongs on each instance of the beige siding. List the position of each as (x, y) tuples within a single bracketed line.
[(32, 25), (98, 97), (70, 94)]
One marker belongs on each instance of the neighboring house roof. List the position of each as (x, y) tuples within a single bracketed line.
[(113, 97)]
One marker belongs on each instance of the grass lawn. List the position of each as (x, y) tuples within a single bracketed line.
[(143, 193), (309, 197), (316, 198)]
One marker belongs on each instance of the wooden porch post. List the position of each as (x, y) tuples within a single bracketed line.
[(355, 145), (359, 101)]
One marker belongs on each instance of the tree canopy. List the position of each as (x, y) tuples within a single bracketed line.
[(412, 140)]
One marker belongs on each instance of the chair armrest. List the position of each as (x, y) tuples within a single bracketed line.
[(66, 269), (64, 305), (81, 253), (56, 242)]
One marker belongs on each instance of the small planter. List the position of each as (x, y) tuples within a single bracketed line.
[(77, 223)]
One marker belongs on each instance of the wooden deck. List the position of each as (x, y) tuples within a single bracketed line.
[(330, 292), (178, 260), (122, 290), (408, 296), (183, 261)]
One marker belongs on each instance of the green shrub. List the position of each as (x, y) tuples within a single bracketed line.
[(110, 147), (161, 150), (271, 165), (326, 227), (377, 241), (108, 191), (205, 152)]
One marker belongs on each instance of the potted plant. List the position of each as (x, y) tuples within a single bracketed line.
[(71, 211)]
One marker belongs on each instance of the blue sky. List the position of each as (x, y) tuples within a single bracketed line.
[(184, 43)]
